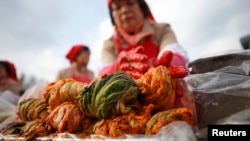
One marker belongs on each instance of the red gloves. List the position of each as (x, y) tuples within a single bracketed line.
[(132, 62), (135, 63), (177, 67), (165, 59), (168, 58)]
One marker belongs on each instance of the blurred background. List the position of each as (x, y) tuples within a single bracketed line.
[(36, 35)]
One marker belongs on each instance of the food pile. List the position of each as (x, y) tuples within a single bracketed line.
[(112, 106)]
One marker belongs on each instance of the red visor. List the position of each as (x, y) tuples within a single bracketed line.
[(150, 15), (73, 51)]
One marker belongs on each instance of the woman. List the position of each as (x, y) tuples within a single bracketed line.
[(138, 41), (8, 78), (10, 92), (78, 56)]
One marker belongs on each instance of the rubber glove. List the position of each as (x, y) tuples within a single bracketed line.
[(177, 67), (169, 58), (132, 62)]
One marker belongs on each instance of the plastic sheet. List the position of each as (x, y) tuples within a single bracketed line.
[(36, 91), (222, 91), (219, 60), (175, 131), (241, 117), (188, 99), (9, 102), (10, 97), (7, 110)]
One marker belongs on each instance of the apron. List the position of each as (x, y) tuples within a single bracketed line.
[(149, 48), (83, 79)]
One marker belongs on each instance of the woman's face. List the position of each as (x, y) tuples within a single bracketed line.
[(82, 58), (127, 14), (3, 72)]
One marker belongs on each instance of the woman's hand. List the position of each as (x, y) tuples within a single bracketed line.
[(132, 62)]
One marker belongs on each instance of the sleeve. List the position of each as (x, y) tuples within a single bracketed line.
[(92, 74), (168, 41), (108, 54), (176, 49), (166, 35), (58, 76), (63, 74)]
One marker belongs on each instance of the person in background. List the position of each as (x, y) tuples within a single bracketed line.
[(8, 78), (138, 40), (10, 87), (78, 57)]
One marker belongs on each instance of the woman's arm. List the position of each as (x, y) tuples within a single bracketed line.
[(168, 42), (108, 56)]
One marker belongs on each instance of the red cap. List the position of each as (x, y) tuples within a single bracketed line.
[(73, 51), (109, 2), (150, 15), (12, 73)]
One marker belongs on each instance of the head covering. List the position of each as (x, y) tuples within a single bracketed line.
[(150, 15), (73, 52), (11, 70)]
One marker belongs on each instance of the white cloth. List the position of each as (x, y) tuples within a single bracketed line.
[(10, 97), (7, 109)]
